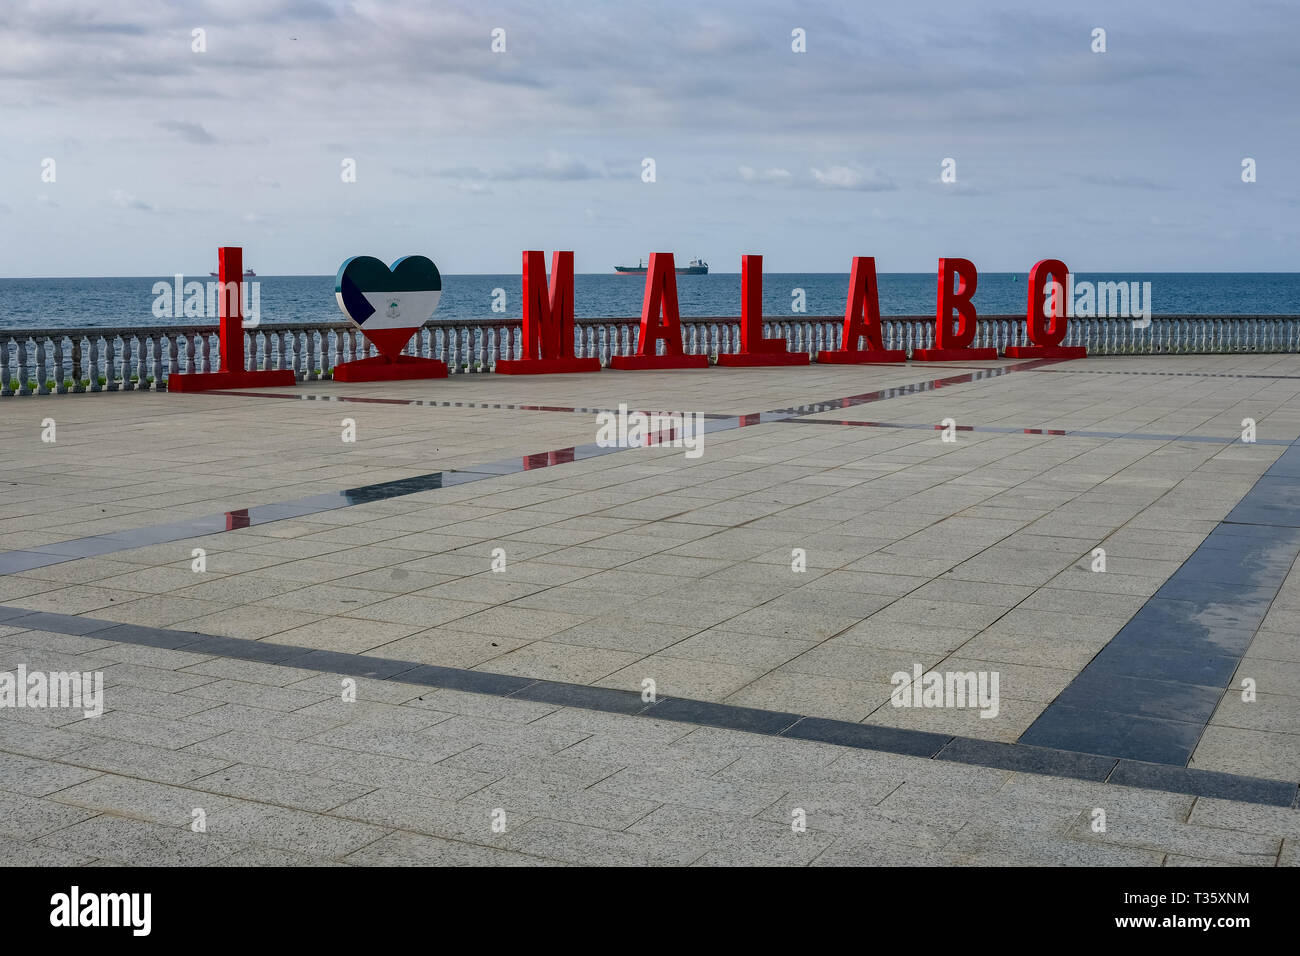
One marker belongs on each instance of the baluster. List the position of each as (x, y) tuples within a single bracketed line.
[(78, 372), (304, 357), (24, 383), (135, 360), (142, 361), (5, 376), (142, 342), (92, 373), (111, 363), (38, 355), (151, 356), (173, 360), (125, 362), (147, 369), (59, 375)]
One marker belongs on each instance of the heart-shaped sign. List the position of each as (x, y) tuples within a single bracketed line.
[(388, 305)]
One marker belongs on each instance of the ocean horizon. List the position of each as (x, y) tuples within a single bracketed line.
[(127, 301)]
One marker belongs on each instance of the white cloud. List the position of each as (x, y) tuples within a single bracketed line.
[(851, 177), (124, 200), (774, 175)]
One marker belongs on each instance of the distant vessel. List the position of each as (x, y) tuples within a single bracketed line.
[(696, 267), (248, 274)]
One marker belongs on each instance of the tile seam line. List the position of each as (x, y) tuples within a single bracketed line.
[(1101, 371), (728, 423), (428, 403), (648, 711), (1039, 432)]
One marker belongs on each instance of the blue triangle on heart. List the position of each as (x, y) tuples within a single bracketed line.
[(366, 274)]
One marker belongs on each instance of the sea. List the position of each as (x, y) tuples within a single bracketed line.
[(70, 303)]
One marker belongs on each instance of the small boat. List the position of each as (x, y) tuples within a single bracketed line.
[(696, 267), (248, 274)]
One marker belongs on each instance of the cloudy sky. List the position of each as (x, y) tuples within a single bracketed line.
[(1125, 160)]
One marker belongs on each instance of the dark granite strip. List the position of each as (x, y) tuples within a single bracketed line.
[(608, 699), (729, 716), (1058, 763), (149, 636), (965, 750), (1205, 783), (916, 743), (357, 665), (1151, 691), (260, 651), (454, 678), (59, 623)]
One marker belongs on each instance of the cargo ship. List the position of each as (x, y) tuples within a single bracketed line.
[(696, 267), (248, 274)]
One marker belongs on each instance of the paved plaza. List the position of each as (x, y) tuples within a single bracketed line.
[(567, 653)]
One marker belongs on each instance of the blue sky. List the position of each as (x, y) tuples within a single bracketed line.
[(1124, 160)]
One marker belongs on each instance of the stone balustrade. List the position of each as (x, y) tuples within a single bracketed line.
[(140, 358)]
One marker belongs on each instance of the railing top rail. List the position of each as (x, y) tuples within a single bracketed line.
[(166, 330)]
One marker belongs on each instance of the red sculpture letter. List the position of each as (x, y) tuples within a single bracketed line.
[(233, 374), (754, 349), (1046, 332), (548, 320), (952, 343), (862, 321), (660, 297)]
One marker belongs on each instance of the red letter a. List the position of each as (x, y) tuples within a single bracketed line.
[(862, 320), (660, 296)]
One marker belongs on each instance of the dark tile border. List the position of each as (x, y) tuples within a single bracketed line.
[(1204, 783), (608, 699), (1149, 694), (1026, 759), (914, 743), (1017, 757), (727, 716)]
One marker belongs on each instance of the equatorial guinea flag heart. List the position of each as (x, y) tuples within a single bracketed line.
[(388, 305)]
